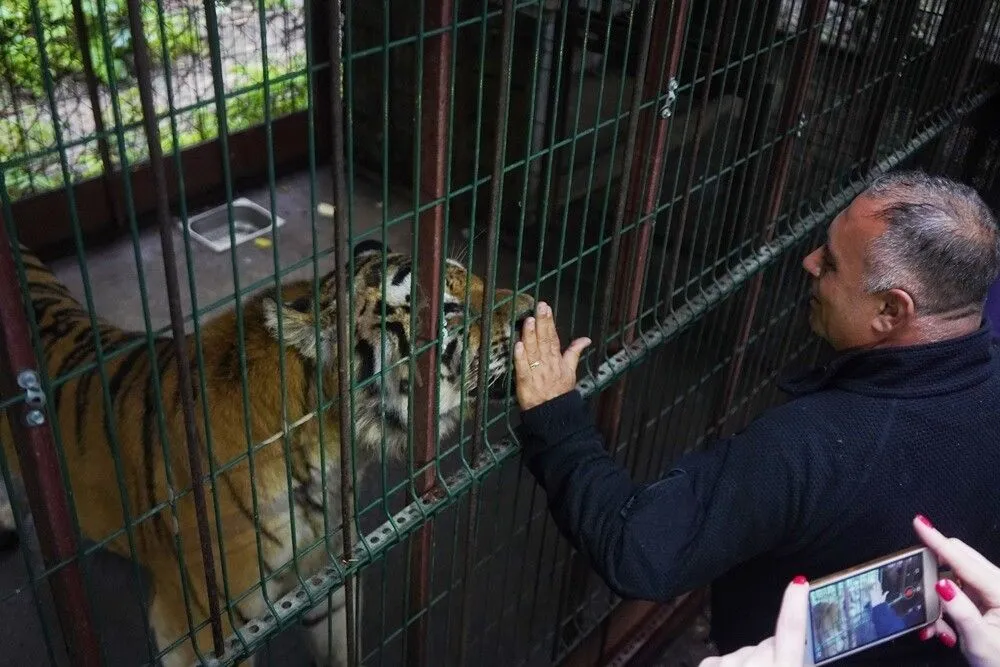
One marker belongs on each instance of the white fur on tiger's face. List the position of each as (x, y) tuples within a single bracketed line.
[(382, 362)]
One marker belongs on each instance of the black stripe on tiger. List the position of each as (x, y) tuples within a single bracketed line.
[(49, 289), (150, 436), (339, 603), (301, 497), (148, 414), (309, 403), (366, 354), (125, 366), (241, 506), (396, 329), (243, 618), (402, 273), (448, 358)]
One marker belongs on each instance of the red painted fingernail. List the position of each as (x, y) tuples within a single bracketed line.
[(924, 520), (947, 640), (945, 589), (799, 579), (925, 634)]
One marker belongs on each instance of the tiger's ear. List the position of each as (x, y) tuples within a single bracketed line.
[(298, 327), (369, 246)]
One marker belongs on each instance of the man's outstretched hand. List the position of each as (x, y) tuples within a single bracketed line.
[(543, 370)]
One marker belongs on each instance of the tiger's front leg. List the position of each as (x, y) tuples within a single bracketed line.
[(327, 622), (327, 628)]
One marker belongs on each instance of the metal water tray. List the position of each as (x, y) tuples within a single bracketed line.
[(250, 220)]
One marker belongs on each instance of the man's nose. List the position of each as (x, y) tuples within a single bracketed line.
[(811, 263)]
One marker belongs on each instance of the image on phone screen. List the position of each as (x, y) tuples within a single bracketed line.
[(867, 607)]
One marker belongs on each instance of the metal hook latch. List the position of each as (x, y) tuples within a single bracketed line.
[(34, 397), (801, 126), (668, 109)]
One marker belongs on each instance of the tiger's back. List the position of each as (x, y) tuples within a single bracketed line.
[(121, 428)]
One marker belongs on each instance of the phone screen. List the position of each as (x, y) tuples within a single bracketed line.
[(866, 607)]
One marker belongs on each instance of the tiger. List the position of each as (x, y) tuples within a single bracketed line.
[(130, 430)]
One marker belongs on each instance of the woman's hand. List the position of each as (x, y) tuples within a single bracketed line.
[(974, 609), (543, 370), (787, 648)]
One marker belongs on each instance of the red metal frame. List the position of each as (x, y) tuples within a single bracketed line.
[(979, 24), (640, 200), (39, 463), (636, 631), (185, 385), (792, 107), (436, 100), (900, 19)]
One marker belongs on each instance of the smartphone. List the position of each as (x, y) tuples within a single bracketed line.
[(872, 603)]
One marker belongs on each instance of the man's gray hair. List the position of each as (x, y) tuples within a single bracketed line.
[(941, 243)]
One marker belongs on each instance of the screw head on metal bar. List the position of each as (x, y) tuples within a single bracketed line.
[(28, 379), (668, 109), (34, 418)]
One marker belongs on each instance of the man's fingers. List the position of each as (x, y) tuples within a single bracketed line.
[(520, 361), (790, 632), (548, 338), (529, 336), (573, 352)]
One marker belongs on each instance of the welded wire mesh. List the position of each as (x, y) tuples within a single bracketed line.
[(45, 90), (654, 170)]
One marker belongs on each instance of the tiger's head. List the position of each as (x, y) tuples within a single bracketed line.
[(381, 368)]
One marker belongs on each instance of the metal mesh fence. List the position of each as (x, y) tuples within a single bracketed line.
[(654, 170), (82, 85)]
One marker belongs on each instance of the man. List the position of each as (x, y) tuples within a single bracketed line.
[(904, 420)]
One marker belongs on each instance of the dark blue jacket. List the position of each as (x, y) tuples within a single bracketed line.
[(830, 479)]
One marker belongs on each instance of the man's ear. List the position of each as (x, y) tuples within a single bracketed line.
[(298, 328), (895, 312)]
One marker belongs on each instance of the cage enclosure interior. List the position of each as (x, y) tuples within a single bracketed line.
[(263, 264)]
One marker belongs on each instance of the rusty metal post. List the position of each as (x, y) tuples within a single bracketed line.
[(341, 238), (638, 197), (83, 40), (184, 381), (935, 89), (39, 463), (493, 252), (706, 90), (980, 14), (791, 109), (899, 20), (434, 113)]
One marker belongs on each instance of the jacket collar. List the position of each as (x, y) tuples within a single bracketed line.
[(906, 372)]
